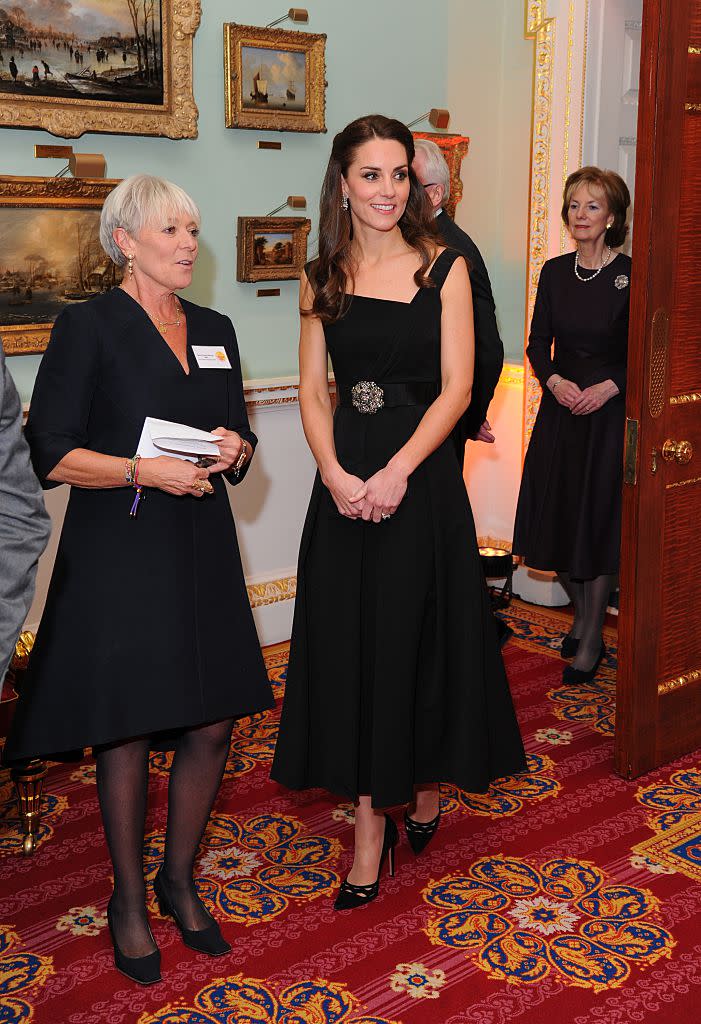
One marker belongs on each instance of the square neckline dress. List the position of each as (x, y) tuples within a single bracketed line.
[(395, 676)]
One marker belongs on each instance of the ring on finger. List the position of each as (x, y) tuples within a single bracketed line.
[(386, 515)]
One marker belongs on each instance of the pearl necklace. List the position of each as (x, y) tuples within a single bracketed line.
[(596, 272)]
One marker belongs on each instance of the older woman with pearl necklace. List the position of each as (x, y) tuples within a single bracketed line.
[(569, 510)]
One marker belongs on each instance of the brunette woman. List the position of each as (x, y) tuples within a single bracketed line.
[(395, 681)]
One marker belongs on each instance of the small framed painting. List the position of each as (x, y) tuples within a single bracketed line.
[(50, 254), (274, 79), (271, 248)]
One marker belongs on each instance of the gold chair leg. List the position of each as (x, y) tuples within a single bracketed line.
[(28, 785)]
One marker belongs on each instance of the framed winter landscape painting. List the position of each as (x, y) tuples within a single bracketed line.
[(274, 79), (122, 66), (50, 254)]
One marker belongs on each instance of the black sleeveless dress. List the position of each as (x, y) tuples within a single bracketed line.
[(395, 676)]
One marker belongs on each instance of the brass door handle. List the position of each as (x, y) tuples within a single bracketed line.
[(677, 451)]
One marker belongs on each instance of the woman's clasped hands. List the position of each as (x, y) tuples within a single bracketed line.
[(181, 477), (582, 402), (372, 500)]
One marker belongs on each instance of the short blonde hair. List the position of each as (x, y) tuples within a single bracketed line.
[(137, 201), (617, 197)]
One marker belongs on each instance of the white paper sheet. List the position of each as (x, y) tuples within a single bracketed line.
[(163, 437)]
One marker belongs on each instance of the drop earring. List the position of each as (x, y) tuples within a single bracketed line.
[(130, 265), (344, 202)]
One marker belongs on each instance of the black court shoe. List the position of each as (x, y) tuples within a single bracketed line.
[(577, 676), (351, 896), (569, 646), (420, 833), (144, 970), (207, 940)]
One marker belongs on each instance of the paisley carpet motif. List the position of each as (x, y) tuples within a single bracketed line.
[(522, 921), (241, 1000), (676, 820)]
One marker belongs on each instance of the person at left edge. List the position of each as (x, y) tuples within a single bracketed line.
[(147, 636), (24, 523)]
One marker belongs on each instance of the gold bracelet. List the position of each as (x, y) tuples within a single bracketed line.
[(241, 458)]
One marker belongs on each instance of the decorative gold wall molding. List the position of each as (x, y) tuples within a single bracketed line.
[(494, 542), (272, 591), (512, 374), (691, 396), (678, 681), (542, 30)]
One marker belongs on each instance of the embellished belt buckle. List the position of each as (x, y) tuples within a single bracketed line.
[(367, 396)]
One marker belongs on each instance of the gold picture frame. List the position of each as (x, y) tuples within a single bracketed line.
[(110, 83), (51, 255), (271, 248), (453, 148), (274, 79)]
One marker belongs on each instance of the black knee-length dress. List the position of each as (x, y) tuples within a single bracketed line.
[(568, 517), (395, 675), (147, 626)]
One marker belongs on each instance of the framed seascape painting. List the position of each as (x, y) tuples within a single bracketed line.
[(453, 148), (271, 248), (50, 254), (274, 79), (75, 66)]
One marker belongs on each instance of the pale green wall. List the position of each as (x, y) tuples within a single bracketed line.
[(490, 72), (399, 57)]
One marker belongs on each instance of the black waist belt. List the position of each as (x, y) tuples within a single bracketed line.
[(367, 396)]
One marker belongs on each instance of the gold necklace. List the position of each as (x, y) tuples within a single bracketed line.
[(163, 325)]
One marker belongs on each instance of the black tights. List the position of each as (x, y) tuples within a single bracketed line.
[(122, 784), (590, 599)]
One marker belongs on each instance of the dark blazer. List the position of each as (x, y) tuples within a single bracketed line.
[(489, 350)]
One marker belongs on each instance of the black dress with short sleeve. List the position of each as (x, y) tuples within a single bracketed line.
[(147, 626), (568, 517), (395, 675)]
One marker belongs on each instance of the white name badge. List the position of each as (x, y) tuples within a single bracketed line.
[(211, 357)]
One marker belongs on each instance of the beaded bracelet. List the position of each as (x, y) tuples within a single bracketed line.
[(137, 487), (556, 384)]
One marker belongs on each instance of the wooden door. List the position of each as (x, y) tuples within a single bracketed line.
[(659, 675)]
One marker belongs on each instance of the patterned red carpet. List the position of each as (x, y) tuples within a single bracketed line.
[(566, 896)]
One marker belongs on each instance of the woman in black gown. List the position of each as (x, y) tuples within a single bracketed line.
[(395, 681), (569, 509), (147, 627)]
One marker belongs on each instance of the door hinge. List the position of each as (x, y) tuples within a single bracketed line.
[(630, 453)]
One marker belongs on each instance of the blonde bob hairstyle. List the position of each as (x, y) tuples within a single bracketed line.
[(615, 192), (139, 201)]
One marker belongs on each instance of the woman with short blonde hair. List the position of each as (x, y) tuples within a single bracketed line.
[(148, 568)]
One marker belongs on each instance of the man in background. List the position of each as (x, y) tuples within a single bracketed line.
[(24, 523), (434, 174)]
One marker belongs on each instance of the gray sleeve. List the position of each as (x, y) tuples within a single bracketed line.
[(24, 522)]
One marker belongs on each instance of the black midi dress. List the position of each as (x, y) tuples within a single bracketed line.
[(395, 676), (568, 517), (147, 626)]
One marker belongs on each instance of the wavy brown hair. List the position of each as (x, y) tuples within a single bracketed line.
[(615, 192), (331, 274)]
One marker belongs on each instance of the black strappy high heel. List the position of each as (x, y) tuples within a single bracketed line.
[(144, 970), (420, 833), (205, 940), (351, 896)]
